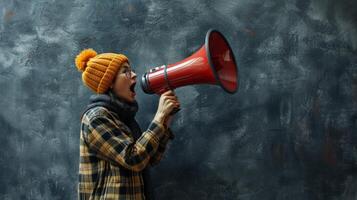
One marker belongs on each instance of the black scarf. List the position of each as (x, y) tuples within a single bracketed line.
[(126, 112)]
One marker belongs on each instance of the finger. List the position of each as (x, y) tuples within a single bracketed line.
[(175, 101), (174, 107), (165, 93), (170, 106), (170, 101), (166, 98), (168, 93), (172, 96)]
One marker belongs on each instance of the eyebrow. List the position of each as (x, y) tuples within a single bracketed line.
[(126, 67)]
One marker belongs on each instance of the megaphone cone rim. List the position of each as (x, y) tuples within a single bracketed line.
[(208, 54)]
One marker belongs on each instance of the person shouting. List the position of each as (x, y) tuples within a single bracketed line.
[(115, 154)]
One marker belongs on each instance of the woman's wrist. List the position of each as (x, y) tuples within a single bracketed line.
[(159, 118)]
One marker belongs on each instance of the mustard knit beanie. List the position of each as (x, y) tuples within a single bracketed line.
[(99, 70)]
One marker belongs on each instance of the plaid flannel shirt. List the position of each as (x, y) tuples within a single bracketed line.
[(111, 162)]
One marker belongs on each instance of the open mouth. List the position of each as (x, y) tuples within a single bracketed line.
[(132, 87)]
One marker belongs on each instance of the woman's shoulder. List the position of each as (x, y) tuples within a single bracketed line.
[(95, 112), (100, 112)]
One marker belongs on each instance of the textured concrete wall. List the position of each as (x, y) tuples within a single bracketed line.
[(289, 133)]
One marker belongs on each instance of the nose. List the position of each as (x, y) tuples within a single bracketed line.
[(133, 75)]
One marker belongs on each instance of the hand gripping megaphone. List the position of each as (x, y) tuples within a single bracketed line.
[(213, 63)]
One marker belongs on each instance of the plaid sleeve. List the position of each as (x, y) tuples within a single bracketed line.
[(156, 158), (106, 139)]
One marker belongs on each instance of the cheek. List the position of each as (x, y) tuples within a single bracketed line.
[(120, 85)]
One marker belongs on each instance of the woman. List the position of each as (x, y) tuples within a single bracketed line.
[(114, 152)]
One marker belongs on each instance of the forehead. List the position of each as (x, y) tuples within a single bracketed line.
[(125, 64)]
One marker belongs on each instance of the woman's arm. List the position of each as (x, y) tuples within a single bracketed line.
[(108, 142), (162, 147)]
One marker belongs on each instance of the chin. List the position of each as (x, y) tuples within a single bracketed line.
[(130, 100)]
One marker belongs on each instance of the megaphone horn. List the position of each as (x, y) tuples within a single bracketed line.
[(214, 63)]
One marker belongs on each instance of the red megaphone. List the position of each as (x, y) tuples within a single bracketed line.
[(213, 63)]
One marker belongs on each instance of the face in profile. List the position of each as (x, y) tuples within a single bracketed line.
[(124, 83)]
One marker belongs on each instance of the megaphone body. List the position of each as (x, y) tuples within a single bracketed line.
[(214, 63)]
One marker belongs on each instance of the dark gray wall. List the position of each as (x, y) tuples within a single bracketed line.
[(289, 133)]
